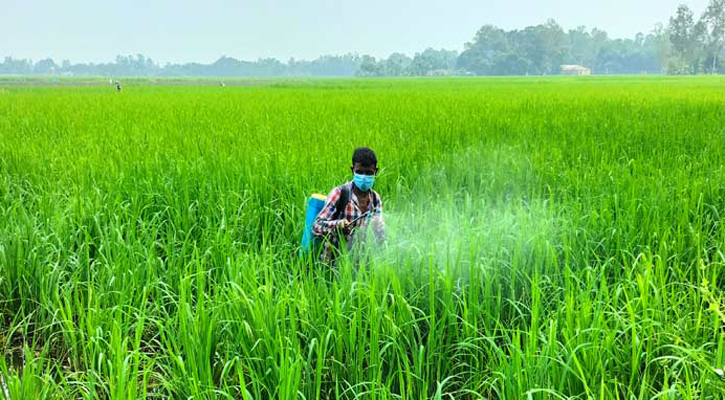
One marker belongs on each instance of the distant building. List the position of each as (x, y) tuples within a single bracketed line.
[(439, 72), (575, 70)]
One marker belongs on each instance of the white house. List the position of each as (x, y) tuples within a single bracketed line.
[(575, 70)]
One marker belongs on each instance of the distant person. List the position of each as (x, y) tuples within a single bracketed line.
[(362, 205), (118, 87)]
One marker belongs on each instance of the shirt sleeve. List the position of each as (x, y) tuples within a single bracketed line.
[(378, 222), (324, 223)]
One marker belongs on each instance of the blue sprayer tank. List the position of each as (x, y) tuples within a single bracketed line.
[(314, 205)]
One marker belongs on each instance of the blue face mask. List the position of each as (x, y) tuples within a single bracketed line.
[(364, 182)]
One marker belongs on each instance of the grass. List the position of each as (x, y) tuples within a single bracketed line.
[(554, 238)]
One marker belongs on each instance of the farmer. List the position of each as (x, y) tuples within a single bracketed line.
[(362, 208)]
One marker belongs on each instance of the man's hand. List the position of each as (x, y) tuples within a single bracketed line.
[(346, 226)]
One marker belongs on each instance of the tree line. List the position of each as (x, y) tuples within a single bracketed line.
[(685, 45), (140, 65)]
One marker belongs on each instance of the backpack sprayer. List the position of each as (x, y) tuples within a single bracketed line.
[(315, 204)]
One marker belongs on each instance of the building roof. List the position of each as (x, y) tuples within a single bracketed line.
[(569, 67)]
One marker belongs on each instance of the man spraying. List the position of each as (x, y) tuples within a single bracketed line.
[(360, 207)]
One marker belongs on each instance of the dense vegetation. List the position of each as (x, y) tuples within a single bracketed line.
[(547, 239)]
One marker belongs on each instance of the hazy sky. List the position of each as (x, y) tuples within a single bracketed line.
[(182, 30)]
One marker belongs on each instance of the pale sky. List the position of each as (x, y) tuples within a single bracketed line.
[(183, 30)]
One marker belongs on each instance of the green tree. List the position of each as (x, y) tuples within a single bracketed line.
[(397, 65), (16, 66), (368, 67), (659, 42), (713, 24), (581, 49), (686, 36), (544, 46), (482, 54), (433, 61), (46, 67)]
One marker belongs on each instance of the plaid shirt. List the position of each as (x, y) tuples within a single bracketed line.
[(325, 226)]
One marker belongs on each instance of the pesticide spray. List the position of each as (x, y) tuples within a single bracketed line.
[(456, 238)]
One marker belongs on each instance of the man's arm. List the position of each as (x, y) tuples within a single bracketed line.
[(324, 223)]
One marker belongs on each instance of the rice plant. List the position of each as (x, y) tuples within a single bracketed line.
[(556, 238)]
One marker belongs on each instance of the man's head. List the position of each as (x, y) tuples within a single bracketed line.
[(364, 161)]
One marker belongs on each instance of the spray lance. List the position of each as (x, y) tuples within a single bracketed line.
[(353, 224)]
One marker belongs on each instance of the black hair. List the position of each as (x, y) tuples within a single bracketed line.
[(365, 157)]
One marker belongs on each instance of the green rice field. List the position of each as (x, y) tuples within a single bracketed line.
[(547, 238)]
